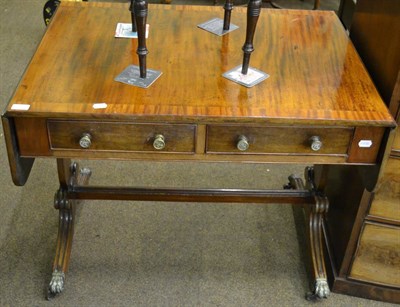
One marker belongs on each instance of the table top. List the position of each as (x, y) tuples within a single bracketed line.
[(316, 76)]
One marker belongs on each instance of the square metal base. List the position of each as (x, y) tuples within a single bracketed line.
[(253, 77), (216, 25), (124, 30), (131, 76)]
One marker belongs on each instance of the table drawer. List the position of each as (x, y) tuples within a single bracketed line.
[(117, 136), (232, 139)]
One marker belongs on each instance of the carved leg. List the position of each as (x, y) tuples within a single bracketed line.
[(314, 216), (66, 225), (64, 242)]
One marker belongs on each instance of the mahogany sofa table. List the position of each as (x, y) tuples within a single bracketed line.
[(318, 106)]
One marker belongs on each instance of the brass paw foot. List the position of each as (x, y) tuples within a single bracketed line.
[(56, 285), (321, 290)]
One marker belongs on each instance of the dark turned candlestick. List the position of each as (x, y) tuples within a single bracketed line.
[(132, 17), (227, 15), (140, 10), (253, 12)]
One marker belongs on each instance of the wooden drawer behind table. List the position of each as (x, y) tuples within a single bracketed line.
[(377, 259), (117, 136), (386, 203)]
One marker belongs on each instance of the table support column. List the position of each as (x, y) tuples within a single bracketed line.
[(68, 176), (314, 216)]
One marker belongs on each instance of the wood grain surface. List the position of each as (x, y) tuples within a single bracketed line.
[(377, 258), (386, 203), (316, 76)]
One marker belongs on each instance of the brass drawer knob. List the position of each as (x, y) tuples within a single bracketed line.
[(316, 143), (243, 143), (85, 141), (159, 142)]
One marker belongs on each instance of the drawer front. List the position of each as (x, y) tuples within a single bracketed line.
[(277, 140), (377, 259), (117, 136), (386, 203)]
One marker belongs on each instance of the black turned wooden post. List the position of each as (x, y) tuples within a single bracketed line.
[(132, 16), (140, 10), (253, 12), (227, 15)]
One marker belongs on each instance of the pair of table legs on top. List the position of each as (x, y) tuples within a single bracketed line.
[(74, 187)]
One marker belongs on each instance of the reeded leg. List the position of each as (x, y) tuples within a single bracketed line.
[(314, 216), (66, 224), (64, 242)]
